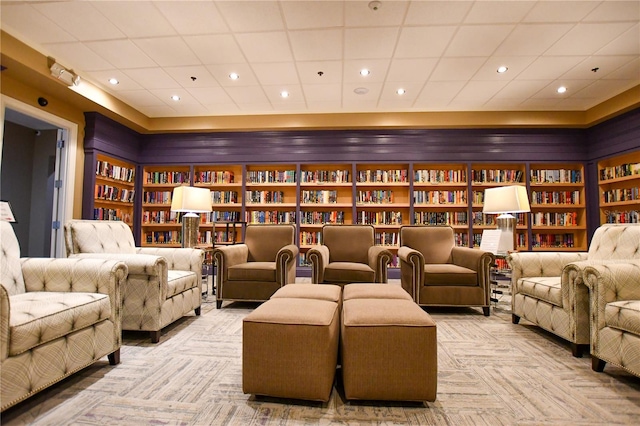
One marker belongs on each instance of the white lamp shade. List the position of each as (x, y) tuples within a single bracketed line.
[(506, 199), (190, 199)]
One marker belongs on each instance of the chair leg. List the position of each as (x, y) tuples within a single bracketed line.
[(597, 364), (198, 311), (515, 319), (576, 350), (218, 304), (486, 310), (114, 357), (155, 336)]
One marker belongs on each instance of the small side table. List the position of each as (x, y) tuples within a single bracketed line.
[(500, 279), (207, 269)]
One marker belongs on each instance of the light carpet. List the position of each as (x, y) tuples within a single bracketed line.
[(490, 372)]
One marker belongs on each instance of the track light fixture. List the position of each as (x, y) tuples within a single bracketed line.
[(66, 76)]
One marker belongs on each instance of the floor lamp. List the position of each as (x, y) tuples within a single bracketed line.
[(191, 201), (504, 201)]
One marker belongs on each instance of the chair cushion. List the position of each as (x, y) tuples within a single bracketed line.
[(10, 267), (264, 241), (547, 289), (179, 281), (253, 271), (41, 316), (344, 272), (348, 243), (623, 315), (449, 274), (99, 236)]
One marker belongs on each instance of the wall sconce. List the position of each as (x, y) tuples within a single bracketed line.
[(66, 76)]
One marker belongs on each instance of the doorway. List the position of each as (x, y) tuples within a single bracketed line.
[(34, 178)]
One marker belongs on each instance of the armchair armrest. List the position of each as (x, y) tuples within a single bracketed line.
[(182, 259), (285, 264), (476, 260), (227, 256), (5, 313), (319, 258), (411, 269), (540, 264), (379, 258), (137, 264)]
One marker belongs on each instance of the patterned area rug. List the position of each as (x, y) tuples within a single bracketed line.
[(490, 372)]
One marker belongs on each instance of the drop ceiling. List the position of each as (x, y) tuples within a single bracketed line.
[(443, 54)]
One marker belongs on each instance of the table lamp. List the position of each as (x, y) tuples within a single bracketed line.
[(504, 201), (191, 201)]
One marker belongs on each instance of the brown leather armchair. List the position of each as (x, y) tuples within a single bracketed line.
[(254, 270), (438, 273), (348, 254)]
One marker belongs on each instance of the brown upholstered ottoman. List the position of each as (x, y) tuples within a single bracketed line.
[(329, 292), (290, 348), (389, 350), (374, 291)]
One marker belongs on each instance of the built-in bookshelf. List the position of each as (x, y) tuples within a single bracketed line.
[(270, 194), (619, 187), (159, 225), (114, 190), (558, 208)]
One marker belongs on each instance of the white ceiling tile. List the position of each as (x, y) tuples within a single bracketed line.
[(296, 95), (521, 89), (496, 12), (183, 76), (167, 51), (300, 15), (480, 90), (503, 104), (317, 45), (532, 39), (586, 39), (276, 74), (348, 94), (602, 88), (80, 19), (574, 104), (560, 11), (222, 109), (210, 95), (331, 72), (540, 104), (437, 12), (423, 42), (158, 111), (440, 90), (193, 17), (190, 110), (165, 96), (79, 55), (324, 106), (451, 69), (627, 44), (369, 42), (477, 40), (412, 90), (608, 11), (573, 87), (125, 82), (136, 18), (630, 71), (141, 98), (251, 16), (360, 105), (322, 92), (549, 67), (256, 108), (221, 74), (24, 19), (247, 95), (377, 67), (411, 70), (515, 65), (604, 64), (215, 49), (152, 78), (265, 47), (122, 53), (390, 13)]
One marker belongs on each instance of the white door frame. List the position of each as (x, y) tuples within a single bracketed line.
[(68, 162)]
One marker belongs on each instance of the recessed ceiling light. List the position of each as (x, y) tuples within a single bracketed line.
[(234, 76), (400, 91), (360, 90), (284, 94), (113, 81), (502, 69), (175, 97), (562, 89), (364, 72)]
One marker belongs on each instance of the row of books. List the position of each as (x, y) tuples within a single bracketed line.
[(111, 214), (387, 238), (521, 240), (256, 216), (163, 237), (106, 169), (440, 218), (214, 176), (113, 193), (225, 216), (319, 197), (627, 169), (160, 216), (156, 197), (379, 218), (621, 194), (319, 218), (167, 177), (210, 237), (263, 197), (440, 176), (479, 218), (477, 197), (226, 197), (555, 197), (440, 197), (310, 237), (554, 219), (375, 197), (325, 176), (496, 176), (556, 176), (632, 216), (553, 240), (271, 176), (382, 176)]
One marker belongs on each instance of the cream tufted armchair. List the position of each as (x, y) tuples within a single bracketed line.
[(57, 316), (615, 315), (164, 284), (548, 290)]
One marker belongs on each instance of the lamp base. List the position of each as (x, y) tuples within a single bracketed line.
[(507, 224), (190, 227)]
